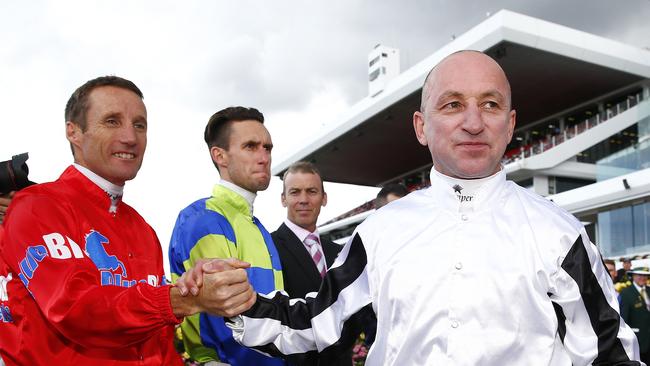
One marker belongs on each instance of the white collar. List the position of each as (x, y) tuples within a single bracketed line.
[(247, 195), (300, 232), (113, 191), (472, 185), (484, 192)]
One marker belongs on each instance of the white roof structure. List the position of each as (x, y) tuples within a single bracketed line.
[(551, 68)]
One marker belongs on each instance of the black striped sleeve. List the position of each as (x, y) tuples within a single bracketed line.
[(613, 337), (281, 326)]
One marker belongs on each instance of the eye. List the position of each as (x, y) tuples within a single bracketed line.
[(112, 122), (452, 106), (140, 126), (491, 105)]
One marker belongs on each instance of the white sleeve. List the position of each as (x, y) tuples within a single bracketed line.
[(278, 326), (589, 322)]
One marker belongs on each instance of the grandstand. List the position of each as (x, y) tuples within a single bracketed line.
[(582, 137)]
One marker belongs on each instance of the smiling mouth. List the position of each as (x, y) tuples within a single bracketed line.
[(122, 155)]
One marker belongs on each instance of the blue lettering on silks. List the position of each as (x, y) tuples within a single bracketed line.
[(116, 279), (107, 278), (5, 314), (28, 265)]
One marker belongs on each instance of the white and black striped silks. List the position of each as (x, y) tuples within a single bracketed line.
[(513, 280)]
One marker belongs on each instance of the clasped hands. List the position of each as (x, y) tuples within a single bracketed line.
[(215, 286)]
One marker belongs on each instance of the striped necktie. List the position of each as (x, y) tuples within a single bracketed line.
[(311, 241)]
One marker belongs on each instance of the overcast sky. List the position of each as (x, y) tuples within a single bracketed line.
[(301, 63)]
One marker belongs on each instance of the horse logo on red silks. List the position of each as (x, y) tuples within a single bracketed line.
[(95, 249)]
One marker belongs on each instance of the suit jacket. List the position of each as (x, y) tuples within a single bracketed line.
[(300, 278), (636, 315), (298, 269)]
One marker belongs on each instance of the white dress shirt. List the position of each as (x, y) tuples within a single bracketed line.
[(302, 233)]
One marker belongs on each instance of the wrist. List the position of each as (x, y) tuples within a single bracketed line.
[(183, 306)]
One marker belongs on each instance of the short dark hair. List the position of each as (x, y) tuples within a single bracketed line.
[(397, 189), (77, 106), (217, 131), (610, 261), (302, 167)]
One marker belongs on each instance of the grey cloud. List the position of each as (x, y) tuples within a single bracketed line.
[(278, 55)]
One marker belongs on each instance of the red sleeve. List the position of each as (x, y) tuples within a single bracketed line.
[(66, 285)]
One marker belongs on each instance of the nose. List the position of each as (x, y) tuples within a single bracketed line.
[(473, 120), (302, 198), (264, 157), (128, 134)]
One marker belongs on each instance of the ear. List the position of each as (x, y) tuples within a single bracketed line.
[(73, 133), (219, 156), (418, 126), (512, 121), (283, 198), (324, 199)]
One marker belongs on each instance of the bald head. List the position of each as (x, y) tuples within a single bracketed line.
[(458, 60), (466, 119)]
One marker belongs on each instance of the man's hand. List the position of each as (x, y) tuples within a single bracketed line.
[(5, 200), (192, 279), (226, 293), (223, 289)]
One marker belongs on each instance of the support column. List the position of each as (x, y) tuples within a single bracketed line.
[(540, 185)]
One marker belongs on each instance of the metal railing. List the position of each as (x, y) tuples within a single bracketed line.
[(568, 133)]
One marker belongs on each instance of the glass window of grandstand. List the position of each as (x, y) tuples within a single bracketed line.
[(623, 153), (608, 147), (624, 231)]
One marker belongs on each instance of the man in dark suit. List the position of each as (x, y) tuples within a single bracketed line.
[(304, 256), (635, 309)]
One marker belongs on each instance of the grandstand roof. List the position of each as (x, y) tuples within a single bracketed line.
[(551, 68)]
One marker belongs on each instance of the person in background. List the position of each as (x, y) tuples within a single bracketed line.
[(635, 308), (611, 269), (5, 200), (305, 256), (390, 192), (621, 275)]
